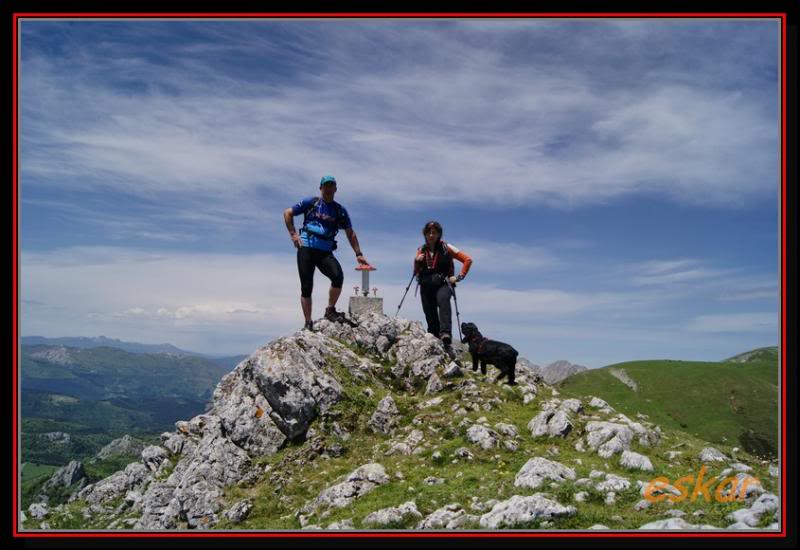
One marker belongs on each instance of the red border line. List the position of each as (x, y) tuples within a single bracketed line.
[(365, 15), (783, 275), (15, 245)]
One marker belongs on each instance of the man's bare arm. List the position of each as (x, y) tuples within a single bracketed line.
[(288, 217), (351, 236)]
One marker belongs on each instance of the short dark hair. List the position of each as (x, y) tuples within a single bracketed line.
[(432, 224)]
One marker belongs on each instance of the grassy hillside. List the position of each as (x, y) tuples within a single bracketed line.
[(722, 402), (769, 355)]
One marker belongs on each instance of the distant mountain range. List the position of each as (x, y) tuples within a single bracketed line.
[(554, 373), (101, 341), (98, 393), (83, 342)]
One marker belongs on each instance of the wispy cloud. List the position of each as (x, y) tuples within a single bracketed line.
[(467, 118), (685, 278), (735, 322)]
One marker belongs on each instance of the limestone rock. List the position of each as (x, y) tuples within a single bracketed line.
[(710, 454), (388, 517), (239, 511), (674, 524), (124, 446), (356, 484), (538, 470), (386, 418), (450, 516), (635, 461), (485, 437), (519, 511)]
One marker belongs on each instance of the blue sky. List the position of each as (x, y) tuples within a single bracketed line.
[(616, 182)]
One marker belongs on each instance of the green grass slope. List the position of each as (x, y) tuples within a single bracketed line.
[(722, 402)]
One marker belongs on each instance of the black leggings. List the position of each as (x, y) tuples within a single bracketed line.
[(437, 297), (309, 258)]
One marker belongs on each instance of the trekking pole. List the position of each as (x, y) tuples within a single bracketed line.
[(404, 294), (458, 318)]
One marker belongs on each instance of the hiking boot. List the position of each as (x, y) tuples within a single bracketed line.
[(309, 325), (448, 346), (332, 315)]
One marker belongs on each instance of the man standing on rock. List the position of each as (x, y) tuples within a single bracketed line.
[(315, 243)]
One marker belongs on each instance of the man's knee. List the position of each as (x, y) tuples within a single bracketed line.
[(305, 290)]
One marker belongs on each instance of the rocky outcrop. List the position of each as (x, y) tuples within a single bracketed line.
[(520, 511), (134, 476), (124, 446), (710, 454), (385, 419), (451, 516), (390, 517), (616, 435), (67, 479), (555, 420), (484, 437), (57, 438), (635, 461), (409, 445), (674, 524), (356, 484), (239, 511), (765, 504), (538, 470)]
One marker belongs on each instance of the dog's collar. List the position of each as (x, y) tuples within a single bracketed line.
[(481, 343)]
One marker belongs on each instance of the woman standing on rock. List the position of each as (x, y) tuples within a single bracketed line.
[(434, 268)]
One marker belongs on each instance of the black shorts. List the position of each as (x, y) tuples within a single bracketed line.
[(324, 260)]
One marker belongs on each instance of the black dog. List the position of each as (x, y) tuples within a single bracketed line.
[(489, 352)]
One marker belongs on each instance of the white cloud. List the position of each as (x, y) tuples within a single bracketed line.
[(735, 322), (467, 126), (685, 272)]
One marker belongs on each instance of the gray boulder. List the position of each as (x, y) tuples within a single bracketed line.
[(710, 454), (67, 479), (434, 385), (386, 418), (608, 438), (450, 516), (674, 524), (538, 470), (239, 511), (485, 437), (635, 461), (408, 446), (134, 476), (520, 511), (612, 483), (153, 456), (124, 446), (388, 517), (358, 483), (38, 510)]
